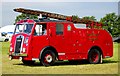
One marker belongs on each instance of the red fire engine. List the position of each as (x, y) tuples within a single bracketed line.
[(67, 38)]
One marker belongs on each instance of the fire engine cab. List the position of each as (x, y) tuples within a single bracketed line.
[(64, 39)]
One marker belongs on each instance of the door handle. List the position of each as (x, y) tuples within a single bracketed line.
[(50, 33)]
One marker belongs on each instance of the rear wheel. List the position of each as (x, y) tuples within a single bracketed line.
[(48, 58), (94, 56)]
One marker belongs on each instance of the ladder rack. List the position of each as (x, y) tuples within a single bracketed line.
[(89, 23)]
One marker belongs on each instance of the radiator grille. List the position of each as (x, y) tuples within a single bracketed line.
[(18, 44)]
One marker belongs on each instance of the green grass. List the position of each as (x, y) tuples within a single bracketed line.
[(0, 58), (109, 66)]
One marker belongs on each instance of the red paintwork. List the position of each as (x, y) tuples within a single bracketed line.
[(24, 21), (75, 44)]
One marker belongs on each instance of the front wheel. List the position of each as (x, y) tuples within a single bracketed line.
[(48, 58), (94, 56)]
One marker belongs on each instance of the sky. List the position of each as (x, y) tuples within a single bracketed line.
[(60, 0), (97, 9)]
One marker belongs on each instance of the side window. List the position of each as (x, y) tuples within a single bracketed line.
[(81, 26), (40, 29), (59, 29)]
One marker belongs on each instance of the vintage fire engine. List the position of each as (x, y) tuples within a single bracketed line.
[(67, 38)]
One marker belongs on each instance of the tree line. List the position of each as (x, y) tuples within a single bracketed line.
[(110, 21)]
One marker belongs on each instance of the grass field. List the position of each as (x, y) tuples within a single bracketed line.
[(109, 66)]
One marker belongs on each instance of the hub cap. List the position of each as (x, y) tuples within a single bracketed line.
[(94, 56), (48, 58)]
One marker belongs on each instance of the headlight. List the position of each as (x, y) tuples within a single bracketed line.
[(24, 49), (10, 44), (26, 40)]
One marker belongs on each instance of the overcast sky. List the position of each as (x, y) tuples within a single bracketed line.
[(97, 9), (60, 0)]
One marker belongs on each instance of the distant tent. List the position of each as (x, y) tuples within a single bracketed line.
[(7, 29)]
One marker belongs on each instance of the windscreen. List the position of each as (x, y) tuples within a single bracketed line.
[(23, 28)]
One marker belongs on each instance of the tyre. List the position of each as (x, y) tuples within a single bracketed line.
[(48, 58), (6, 40), (28, 62), (94, 56)]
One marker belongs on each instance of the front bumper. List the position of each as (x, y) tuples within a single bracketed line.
[(17, 54)]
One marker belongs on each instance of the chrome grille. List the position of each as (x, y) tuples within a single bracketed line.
[(18, 44)]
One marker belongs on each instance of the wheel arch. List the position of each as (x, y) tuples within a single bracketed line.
[(48, 47), (95, 47)]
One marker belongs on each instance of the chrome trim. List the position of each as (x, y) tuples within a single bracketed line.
[(17, 54), (21, 43), (35, 58), (107, 56), (61, 53)]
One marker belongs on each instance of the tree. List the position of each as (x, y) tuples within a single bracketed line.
[(85, 18), (112, 23), (74, 17), (117, 23), (89, 18), (24, 16)]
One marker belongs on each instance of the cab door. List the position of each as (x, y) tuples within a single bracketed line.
[(56, 37), (39, 39), (68, 38)]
